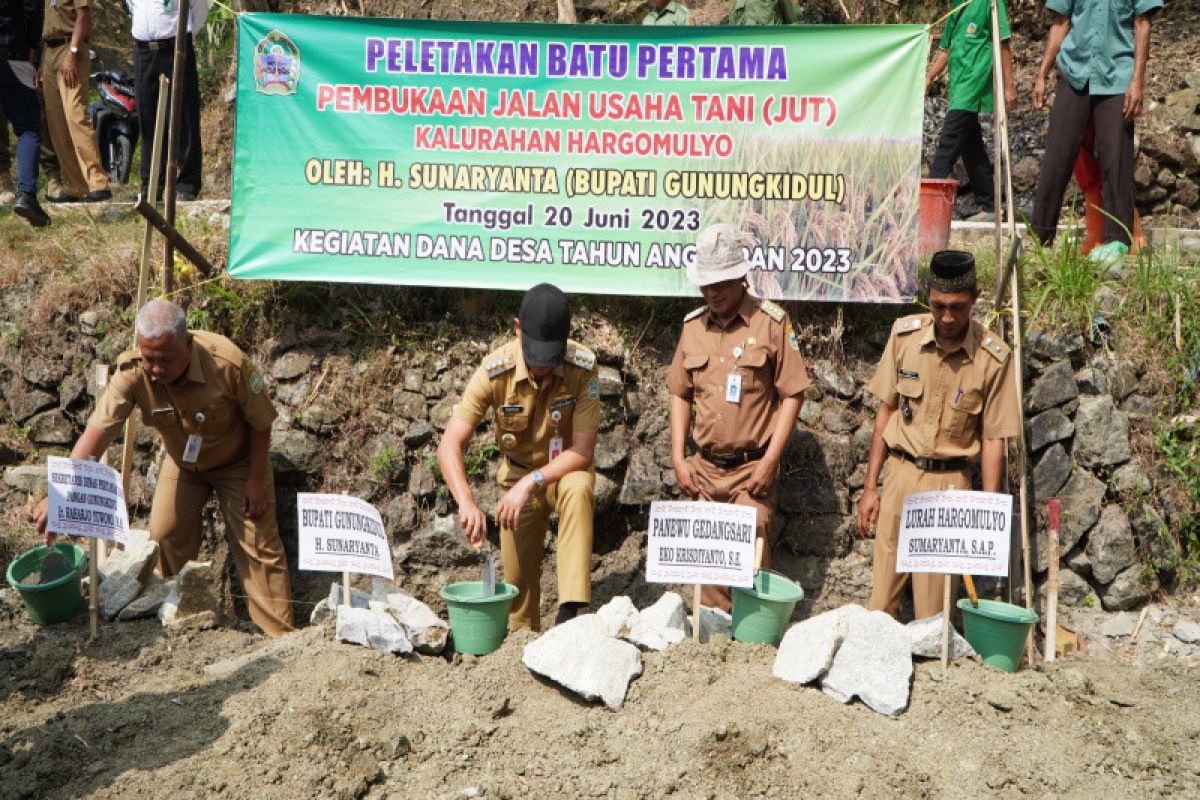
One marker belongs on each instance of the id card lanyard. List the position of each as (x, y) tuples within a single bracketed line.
[(191, 451), (733, 382)]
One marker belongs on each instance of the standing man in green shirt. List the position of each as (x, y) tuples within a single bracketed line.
[(966, 46), (764, 12), (667, 12)]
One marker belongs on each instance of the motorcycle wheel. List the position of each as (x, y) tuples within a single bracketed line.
[(122, 150)]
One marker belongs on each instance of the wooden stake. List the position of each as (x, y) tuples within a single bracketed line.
[(696, 612), (758, 554), (346, 590), (93, 542), (945, 622), (183, 12), (1052, 582)]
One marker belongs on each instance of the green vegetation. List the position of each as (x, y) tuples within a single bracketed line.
[(477, 458)]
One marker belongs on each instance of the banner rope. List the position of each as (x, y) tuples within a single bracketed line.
[(940, 20), (213, 279), (227, 8)]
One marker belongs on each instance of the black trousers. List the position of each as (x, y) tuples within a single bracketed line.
[(963, 138), (149, 62), (1114, 149)]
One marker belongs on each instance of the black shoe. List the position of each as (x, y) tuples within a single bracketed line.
[(568, 611), (185, 194), (99, 196), (26, 206), (63, 198)]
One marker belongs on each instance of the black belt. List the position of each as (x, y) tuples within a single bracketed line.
[(733, 459), (56, 41), (933, 464), (517, 464), (155, 44)]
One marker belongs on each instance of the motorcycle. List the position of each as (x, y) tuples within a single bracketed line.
[(115, 120)]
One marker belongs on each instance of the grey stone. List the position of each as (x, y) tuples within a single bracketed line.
[(810, 412), (1081, 499), (861, 443), (28, 478), (441, 544), (192, 601), (25, 401), (1122, 380), (124, 572), (580, 656), (1054, 347), (414, 380), (418, 435), (839, 420), (1137, 405), (1048, 427), (1107, 301), (291, 365), (661, 625), (1131, 478), (320, 418), (292, 393), (51, 427), (1101, 433), (808, 648), (618, 616), (611, 382), (1110, 547), (151, 598), (421, 481), (1051, 473), (1128, 590), (439, 415), (1055, 387), (714, 622), (606, 492), (612, 448), (1186, 631), (838, 381), (643, 480), (410, 405), (295, 452), (1151, 532), (1091, 380), (9, 455), (89, 322), (926, 637), (874, 663), (1078, 562), (424, 629), (1073, 591), (400, 515), (42, 371), (371, 629), (1118, 625)]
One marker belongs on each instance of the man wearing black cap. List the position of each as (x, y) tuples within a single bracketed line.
[(546, 395), (947, 401)]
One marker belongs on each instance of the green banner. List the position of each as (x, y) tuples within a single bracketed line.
[(589, 156)]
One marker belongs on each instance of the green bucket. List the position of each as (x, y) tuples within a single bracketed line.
[(478, 623), (997, 631), (761, 614), (57, 600)]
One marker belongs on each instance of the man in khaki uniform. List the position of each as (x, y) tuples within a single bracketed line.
[(546, 395), (738, 361), (952, 383), (210, 406), (63, 73)]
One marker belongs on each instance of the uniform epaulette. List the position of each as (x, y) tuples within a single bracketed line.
[(498, 365), (695, 313), (909, 324), (773, 311), (581, 357), (995, 346)]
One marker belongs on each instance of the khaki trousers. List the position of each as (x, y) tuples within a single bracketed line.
[(573, 497), (69, 126), (258, 556), (721, 485), (887, 586)]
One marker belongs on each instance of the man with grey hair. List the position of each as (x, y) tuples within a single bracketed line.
[(738, 362), (207, 401)]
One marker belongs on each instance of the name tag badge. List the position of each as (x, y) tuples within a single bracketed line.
[(191, 450), (733, 388), (556, 447)]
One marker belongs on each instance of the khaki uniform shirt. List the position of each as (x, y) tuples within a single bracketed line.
[(954, 400), (529, 412), (60, 17), (220, 397), (769, 363)]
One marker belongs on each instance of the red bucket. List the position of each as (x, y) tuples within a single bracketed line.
[(937, 209)]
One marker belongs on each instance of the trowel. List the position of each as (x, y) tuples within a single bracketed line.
[(489, 573)]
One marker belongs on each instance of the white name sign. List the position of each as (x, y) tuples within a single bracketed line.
[(691, 542), (339, 533), (961, 533), (84, 498)]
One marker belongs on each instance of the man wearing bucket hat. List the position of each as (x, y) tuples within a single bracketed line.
[(738, 362), (947, 401), (545, 393)]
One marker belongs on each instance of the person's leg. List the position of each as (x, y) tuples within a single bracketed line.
[(145, 80), (20, 104), (887, 585), (1068, 118), (257, 550), (719, 485), (521, 556), (175, 516), (57, 94), (978, 165), (190, 151), (928, 588), (1114, 147), (83, 135), (949, 145), (574, 497), (8, 189)]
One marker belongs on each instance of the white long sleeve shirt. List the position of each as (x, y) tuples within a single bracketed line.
[(155, 19)]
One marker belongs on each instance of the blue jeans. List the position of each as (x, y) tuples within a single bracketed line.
[(20, 104)]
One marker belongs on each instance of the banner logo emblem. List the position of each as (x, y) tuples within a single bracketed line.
[(276, 64)]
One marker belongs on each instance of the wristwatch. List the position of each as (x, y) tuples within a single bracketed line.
[(539, 477), (74, 50)]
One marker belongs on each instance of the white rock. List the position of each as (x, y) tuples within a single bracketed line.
[(124, 573), (714, 622), (148, 602), (1186, 631), (874, 663), (1118, 625), (358, 598), (579, 655), (618, 616), (808, 648), (373, 629), (426, 631), (661, 625), (192, 599), (926, 637)]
